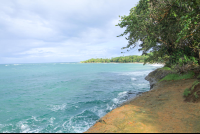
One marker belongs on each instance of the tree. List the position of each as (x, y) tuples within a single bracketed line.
[(162, 27)]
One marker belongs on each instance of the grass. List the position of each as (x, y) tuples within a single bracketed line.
[(166, 68), (194, 84), (175, 76), (186, 92), (195, 95)]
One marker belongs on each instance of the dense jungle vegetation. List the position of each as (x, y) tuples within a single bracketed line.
[(122, 59), (169, 31)]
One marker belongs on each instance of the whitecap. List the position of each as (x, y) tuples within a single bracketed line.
[(59, 131), (34, 118), (56, 128), (115, 100), (73, 125), (160, 65), (99, 112), (37, 119), (57, 107), (23, 126), (35, 131), (138, 73), (108, 107), (123, 96), (6, 131), (141, 85), (133, 79), (51, 120)]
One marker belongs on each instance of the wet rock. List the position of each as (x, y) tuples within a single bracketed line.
[(156, 75), (101, 121), (130, 92), (139, 93)]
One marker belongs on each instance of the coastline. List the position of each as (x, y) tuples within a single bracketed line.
[(130, 62), (152, 111)]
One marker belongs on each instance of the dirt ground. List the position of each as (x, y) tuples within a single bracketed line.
[(162, 110)]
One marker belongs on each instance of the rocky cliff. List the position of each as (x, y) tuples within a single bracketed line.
[(156, 75)]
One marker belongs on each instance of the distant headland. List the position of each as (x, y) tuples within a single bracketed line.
[(121, 59)]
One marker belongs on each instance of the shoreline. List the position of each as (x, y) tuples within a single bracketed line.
[(129, 99), (152, 111), (131, 62)]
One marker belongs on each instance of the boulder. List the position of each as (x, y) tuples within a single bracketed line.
[(156, 75)]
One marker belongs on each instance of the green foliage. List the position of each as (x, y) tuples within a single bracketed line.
[(176, 76), (170, 29), (182, 57), (166, 68), (194, 84), (186, 92), (122, 59), (184, 64), (190, 22), (196, 95)]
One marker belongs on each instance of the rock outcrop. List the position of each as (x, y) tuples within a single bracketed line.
[(156, 75)]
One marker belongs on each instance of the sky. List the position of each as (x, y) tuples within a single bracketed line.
[(42, 31)]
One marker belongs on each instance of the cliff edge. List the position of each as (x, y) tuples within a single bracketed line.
[(163, 109), (156, 75)]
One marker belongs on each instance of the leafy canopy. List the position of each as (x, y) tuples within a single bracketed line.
[(167, 28)]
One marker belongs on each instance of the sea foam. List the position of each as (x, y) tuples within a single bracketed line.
[(156, 65), (133, 79), (136, 73), (57, 107)]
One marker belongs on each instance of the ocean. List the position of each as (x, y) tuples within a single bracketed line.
[(65, 97)]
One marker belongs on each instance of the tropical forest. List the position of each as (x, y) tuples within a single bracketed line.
[(122, 59)]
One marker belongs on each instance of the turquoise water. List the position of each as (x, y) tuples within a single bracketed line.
[(65, 97)]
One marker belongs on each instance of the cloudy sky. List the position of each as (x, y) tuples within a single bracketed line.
[(36, 31)]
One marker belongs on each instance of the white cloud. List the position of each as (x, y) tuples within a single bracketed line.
[(60, 30)]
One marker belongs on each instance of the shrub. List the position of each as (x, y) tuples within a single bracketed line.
[(184, 64), (194, 84), (195, 95), (166, 68), (186, 92)]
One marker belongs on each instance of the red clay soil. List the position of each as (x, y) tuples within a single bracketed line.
[(162, 110)]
